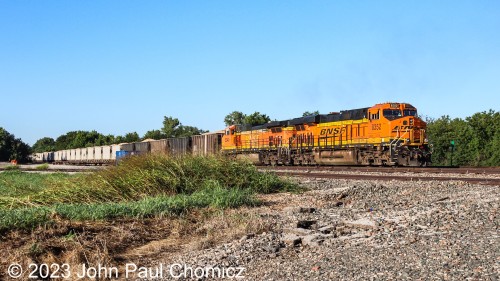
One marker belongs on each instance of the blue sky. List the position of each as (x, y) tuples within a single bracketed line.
[(120, 66)]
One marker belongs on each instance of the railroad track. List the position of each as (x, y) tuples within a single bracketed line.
[(387, 174), (436, 170), (360, 173), (56, 170)]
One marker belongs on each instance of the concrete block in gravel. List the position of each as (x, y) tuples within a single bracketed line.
[(291, 210), (247, 236), (363, 223), (297, 231), (312, 240), (291, 240), (297, 210), (327, 229)]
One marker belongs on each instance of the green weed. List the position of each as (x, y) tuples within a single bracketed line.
[(12, 168), (161, 206), (42, 167)]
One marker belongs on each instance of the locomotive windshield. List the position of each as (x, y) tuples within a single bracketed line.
[(409, 112), (392, 113)]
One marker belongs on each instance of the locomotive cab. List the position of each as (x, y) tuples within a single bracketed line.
[(229, 138), (403, 133)]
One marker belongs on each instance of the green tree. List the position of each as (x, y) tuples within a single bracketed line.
[(169, 126), (20, 151), (485, 128), (186, 131), (173, 128), (256, 119), (104, 140), (6, 140), (132, 137), (438, 134), (234, 118), (239, 118), (477, 139), (309, 113), (154, 134), (128, 137), (78, 139), (44, 144), (64, 141), (12, 148)]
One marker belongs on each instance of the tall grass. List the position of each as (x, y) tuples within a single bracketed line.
[(18, 184), (215, 197), (156, 174), (150, 185), (12, 168)]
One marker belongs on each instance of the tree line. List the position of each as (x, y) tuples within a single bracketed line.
[(172, 128), (473, 141), (12, 148)]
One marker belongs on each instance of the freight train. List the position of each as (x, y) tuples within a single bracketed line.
[(205, 144), (386, 134)]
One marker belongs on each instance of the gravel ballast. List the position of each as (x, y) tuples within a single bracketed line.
[(359, 230)]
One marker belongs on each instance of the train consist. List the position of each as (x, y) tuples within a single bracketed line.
[(385, 134)]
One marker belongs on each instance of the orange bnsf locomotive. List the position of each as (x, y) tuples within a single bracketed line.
[(385, 134)]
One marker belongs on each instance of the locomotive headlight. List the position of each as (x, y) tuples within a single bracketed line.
[(426, 140), (407, 140), (411, 121)]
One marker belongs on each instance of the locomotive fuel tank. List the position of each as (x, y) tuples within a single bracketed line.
[(335, 157)]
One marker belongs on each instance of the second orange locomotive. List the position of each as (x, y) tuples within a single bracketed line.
[(385, 134)]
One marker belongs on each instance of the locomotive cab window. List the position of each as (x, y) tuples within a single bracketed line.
[(375, 116), (392, 113), (409, 112)]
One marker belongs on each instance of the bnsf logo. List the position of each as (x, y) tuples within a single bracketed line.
[(332, 131), (402, 128)]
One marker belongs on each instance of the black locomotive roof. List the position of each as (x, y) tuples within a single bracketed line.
[(353, 114)]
